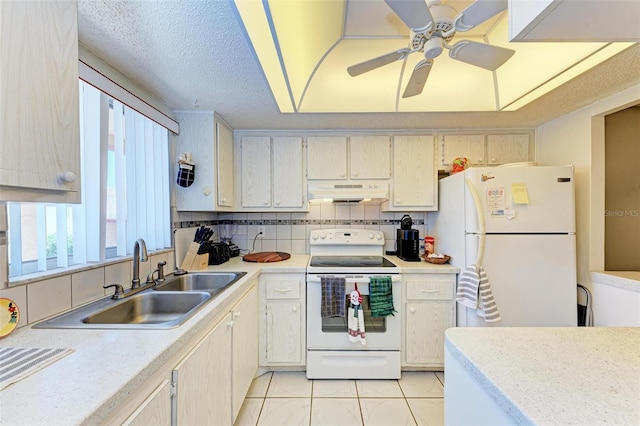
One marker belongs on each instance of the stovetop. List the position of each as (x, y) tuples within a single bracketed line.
[(350, 262)]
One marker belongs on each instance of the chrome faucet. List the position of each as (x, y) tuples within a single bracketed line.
[(138, 257)]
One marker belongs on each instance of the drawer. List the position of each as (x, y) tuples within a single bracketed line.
[(283, 289), (429, 290)]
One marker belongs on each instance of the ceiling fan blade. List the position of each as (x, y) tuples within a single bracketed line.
[(374, 63), (418, 78), (478, 12), (414, 13), (481, 55)]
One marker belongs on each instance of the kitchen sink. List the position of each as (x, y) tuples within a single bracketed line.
[(149, 308), (146, 310), (212, 282)]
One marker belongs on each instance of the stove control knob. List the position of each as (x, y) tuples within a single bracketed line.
[(371, 236), (314, 235), (323, 235), (378, 235)]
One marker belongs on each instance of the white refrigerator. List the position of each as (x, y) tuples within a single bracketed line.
[(518, 222)]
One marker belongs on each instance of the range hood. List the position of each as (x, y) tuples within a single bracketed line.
[(348, 192)]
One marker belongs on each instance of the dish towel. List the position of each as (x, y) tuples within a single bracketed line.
[(18, 363), (381, 296), (355, 318), (333, 297), (474, 291)]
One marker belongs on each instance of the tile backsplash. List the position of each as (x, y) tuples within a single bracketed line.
[(289, 232)]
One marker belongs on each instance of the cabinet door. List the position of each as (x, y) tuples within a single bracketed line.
[(370, 157), (414, 173), (203, 380), (502, 149), (39, 107), (224, 164), (326, 157), (425, 325), (256, 171), (287, 172), (155, 410), (245, 347), (468, 146), (283, 326)]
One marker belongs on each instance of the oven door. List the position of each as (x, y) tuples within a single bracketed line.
[(381, 333)]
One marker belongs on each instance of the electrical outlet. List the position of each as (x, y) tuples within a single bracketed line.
[(261, 232)]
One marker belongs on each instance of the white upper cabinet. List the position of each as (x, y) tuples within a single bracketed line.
[(288, 172), (327, 157), (370, 157), (210, 142), (502, 149), (566, 20), (486, 149), (255, 165), (272, 173), (468, 146), (414, 183), (224, 160), (39, 107)]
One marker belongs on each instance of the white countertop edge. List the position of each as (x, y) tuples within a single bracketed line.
[(626, 280), (498, 395)]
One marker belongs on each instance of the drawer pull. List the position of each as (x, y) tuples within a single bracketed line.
[(430, 291), (412, 310), (282, 290)]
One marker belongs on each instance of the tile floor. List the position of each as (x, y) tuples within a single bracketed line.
[(289, 398)]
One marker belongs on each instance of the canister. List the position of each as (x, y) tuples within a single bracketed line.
[(429, 244)]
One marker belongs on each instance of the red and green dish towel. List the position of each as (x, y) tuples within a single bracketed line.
[(381, 297)]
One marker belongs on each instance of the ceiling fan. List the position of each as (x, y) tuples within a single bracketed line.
[(433, 25)]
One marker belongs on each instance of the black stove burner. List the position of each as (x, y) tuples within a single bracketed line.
[(350, 262)]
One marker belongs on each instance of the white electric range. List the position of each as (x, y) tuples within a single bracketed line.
[(355, 255)]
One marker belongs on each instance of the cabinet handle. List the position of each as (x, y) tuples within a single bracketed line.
[(341, 175), (66, 177), (412, 310), (493, 160), (266, 202), (236, 314), (355, 174), (398, 201), (283, 290), (277, 203), (294, 309), (229, 324), (430, 291), (480, 160)]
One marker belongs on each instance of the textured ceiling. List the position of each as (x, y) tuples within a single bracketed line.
[(187, 50)]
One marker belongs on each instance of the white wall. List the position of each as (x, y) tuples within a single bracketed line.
[(578, 138)]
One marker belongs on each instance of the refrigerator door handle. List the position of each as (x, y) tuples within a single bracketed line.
[(481, 224)]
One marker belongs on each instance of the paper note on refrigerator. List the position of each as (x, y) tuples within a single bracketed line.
[(519, 193), (495, 199)]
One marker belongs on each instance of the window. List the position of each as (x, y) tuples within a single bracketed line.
[(125, 195)]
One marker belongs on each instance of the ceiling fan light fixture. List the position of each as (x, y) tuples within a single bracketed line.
[(433, 47)]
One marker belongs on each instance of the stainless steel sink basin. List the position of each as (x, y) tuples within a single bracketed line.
[(212, 282), (149, 308), (146, 310)]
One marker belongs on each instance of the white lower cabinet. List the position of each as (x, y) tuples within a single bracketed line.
[(213, 379), (429, 309), (203, 380), (155, 410), (282, 320)]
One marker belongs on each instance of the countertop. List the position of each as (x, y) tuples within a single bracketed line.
[(555, 376), (626, 280), (108, 365)]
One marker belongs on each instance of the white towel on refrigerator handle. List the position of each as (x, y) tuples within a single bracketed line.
[(474, 291)]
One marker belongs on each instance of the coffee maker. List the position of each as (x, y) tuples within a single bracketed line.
[(407, 241)]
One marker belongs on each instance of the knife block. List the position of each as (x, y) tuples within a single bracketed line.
[(194, 261)]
